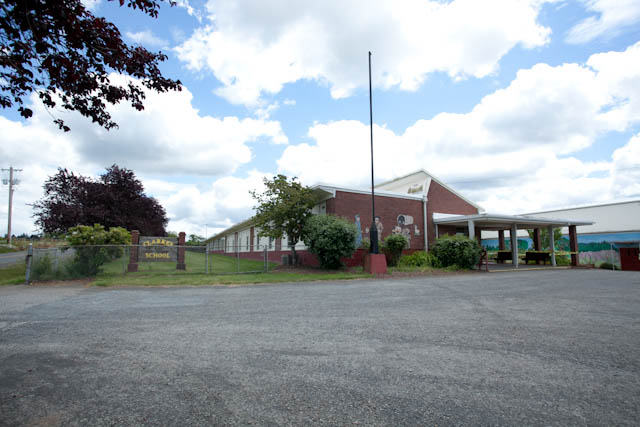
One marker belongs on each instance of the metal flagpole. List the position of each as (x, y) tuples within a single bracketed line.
[(374, 229)]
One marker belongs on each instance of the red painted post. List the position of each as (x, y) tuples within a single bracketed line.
[(133, 252), (537, 241), (573, 244), (181, 264), (501, 245)]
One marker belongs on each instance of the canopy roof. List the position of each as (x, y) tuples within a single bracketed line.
[(488, 221)]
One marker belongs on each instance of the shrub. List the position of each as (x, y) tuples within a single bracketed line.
[(458, 250), (330, 238), (365, 244), (563, 260), (419, 259), (90, 250), (608, 266), (393, 245), (42, 268)]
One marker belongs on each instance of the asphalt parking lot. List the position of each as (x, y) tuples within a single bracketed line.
[(528, 348)]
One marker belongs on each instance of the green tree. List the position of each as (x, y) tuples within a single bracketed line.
[(331, 239), (95, 246), (394, 244), (195, 240), (283, 208), (544, 236)]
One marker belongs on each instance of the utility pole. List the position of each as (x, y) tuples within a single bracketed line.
[(11, 182)]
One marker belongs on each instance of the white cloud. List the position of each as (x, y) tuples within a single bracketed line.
[(626, 169), (223, 203), (145, 37), (510, 152), (613, 17), (255, 48), (92, 5), (170, 137), (190, 9)]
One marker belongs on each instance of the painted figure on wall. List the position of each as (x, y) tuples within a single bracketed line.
[(358, 232), (404, 223), (379, 226)]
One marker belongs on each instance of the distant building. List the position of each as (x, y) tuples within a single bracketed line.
[(404, 205), (616, 225)]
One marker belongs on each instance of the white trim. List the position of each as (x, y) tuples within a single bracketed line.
[(461, 219), (432, 177), (333, 188), (584, 207)]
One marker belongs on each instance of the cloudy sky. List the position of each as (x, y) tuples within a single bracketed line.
[(521, 105)]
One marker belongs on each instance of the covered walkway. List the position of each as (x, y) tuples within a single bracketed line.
[(473, 225)]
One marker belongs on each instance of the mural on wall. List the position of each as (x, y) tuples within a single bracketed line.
[(379, 226), (406, 227), (358, 232), (595, 249)]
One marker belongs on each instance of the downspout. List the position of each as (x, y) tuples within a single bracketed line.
[(424, 217)]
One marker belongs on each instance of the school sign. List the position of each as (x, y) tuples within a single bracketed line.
[(156, 249)]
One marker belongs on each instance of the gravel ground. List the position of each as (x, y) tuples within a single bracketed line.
[(527, 348)]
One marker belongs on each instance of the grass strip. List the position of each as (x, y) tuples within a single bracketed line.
[(12, 275), (150, 279)]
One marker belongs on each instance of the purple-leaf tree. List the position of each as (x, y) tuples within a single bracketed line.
[(115, 199), (65, 54)]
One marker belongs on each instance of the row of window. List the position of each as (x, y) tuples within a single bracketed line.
[(243, 243)]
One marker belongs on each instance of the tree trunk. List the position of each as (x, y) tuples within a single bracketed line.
[(294, 254)]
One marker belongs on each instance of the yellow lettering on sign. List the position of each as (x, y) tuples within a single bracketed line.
[(157, 255), (158, 242)]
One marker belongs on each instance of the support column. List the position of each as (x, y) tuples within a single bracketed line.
[(472, 229), (573, 244), (437, 234), (513, 235), (537, 241), (133, 252), (181, 264), (552, 246), (501, 245)]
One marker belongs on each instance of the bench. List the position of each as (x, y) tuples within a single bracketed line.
[(503, 256), (537, 256)]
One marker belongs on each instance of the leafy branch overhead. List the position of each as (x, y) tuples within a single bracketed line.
[(283, 208), (65, 54)]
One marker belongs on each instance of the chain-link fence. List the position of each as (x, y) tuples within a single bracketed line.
[(64, 263)]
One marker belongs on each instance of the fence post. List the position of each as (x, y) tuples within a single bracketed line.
[(56, 265), (264, 267), (29, 259), (133, 251), (237, 259), (206, 256), (181, 260), (125, 257)]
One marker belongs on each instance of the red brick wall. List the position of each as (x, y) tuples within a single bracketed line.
[(441, 200), (306, 258), (347, 205)]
